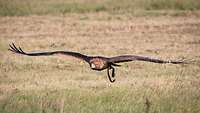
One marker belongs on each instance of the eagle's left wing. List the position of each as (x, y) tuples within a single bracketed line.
[(127, 58)]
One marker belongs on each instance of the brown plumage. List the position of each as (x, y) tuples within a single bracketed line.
[(96, 62)]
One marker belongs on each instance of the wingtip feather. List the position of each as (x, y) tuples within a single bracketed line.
[(14, 49)]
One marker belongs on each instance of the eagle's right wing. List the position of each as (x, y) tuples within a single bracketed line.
[(14, 49)]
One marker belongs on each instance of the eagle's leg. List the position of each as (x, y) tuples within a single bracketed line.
[(113, 74), (113, 71)]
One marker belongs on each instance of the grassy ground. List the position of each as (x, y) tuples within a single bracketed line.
[(66, 85), (134, 7)]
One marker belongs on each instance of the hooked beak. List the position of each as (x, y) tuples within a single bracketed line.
[(92, 65)]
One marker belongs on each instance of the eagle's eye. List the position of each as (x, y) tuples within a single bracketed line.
[(92, 65)]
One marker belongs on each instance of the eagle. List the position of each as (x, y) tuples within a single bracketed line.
[(97, 63)]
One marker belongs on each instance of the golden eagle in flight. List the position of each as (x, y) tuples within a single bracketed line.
[(98, 63)]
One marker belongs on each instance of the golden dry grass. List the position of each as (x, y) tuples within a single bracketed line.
[(61, 84)]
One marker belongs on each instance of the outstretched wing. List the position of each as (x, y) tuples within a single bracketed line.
[(127, 58), (14, 49)]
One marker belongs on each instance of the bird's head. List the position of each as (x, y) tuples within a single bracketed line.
[(98, 64)]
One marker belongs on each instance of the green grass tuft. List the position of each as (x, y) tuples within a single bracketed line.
[(113, 101)]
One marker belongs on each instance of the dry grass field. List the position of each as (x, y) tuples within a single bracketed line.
[(58, 84)]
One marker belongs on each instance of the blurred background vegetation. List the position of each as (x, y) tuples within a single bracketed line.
[(43, 7)]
